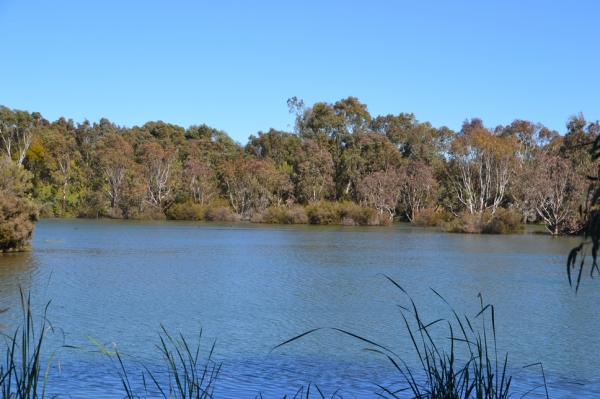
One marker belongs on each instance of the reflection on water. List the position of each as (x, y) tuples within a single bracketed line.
[(251, 287), (15, 267)]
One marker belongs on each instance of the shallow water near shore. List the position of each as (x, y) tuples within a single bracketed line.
[(251, 287)]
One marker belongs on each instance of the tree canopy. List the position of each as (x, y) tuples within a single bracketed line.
[(390, 166)]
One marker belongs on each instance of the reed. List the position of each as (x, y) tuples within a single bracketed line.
[(445, 372), (305, 394), (189, 375), (467, 366), (481, 375), (22, 376)]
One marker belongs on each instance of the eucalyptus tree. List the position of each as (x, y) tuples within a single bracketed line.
[(283, 188), (66, 159), (276, 146), (395, 127), (248, 184), (334, 127), (418, 187), (159, 169), (205, 132), (415, 140), (16, 132), (379, 153), (137, 137), (88, 134), (281, 149), (554, 189), (382, 190), (166, 134), (533, 141), (86, 138), (576, 143), (114, 162), (368, 153), (211, 146), (532, 138), (481, 166), (200, 181), (314, 172)]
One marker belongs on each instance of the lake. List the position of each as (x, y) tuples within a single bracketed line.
[(250, 287)]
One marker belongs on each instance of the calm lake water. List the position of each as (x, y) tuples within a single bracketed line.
[(251, 287)]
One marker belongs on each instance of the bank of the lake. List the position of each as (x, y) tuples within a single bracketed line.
[(253, 286)]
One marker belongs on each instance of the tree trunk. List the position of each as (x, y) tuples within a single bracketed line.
[(64, 200)]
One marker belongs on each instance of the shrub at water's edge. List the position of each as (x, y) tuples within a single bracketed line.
[(295, 214), (323, 213), (17, 212), (218, 210), (319, 213), (502, 222), (430, 218)]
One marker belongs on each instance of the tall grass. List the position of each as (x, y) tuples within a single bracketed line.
[(466, 367), (21, 374), (481, 375), (305, 393), (188, 375)]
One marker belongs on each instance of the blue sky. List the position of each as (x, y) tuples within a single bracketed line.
[(233, 64)]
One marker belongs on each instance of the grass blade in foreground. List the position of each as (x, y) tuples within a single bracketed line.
[(21, 374), (444, 372)]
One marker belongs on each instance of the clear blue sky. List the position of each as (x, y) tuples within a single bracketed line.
[(233, 64)]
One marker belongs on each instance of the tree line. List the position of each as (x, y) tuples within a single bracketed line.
[(339, 165)]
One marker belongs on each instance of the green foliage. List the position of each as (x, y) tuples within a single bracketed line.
[(323, 212), (17, 218), (166, 134), (344, 213), (295, 215), (17, 212), (277, 146), (186, 211), (221, 214), (353, 214), (46, 210), (502, 222), (591, 243), (13, 179), (337, 152), (146, 214), (282, 215), (430, 218), (91, 205)]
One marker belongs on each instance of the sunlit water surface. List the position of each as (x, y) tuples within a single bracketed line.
[(251, 287)]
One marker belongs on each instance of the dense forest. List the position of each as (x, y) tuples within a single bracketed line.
[(340, 165)]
